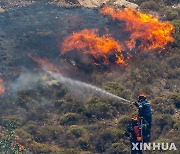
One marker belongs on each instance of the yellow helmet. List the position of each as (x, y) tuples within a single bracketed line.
[(142, 96)]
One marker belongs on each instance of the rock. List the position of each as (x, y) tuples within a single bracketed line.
[(92, 3), (1, 10), (124, 3), (69, 3), (113, 3), (65, 3)]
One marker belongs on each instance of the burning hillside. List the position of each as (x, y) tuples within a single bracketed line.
[(68, 75), (144, 33), (151, 32), (88, 42)]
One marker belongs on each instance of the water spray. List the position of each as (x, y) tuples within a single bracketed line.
[(84, 86)]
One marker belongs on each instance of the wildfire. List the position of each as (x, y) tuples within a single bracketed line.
[(145, 32), (146, 28), (2, 88), (89, 42)]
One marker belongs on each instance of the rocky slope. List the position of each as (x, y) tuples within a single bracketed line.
[(10, 4)]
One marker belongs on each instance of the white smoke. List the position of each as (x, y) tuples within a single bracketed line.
[(84, 88), (26, 81), (29, 81)]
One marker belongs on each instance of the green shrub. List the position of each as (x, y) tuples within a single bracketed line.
[(69, 119), (176, 99), (24, 135), (174, 61), (84, 145), (176, 36), (45, 148), (61, 93), (174, 74), (59, 103), (118, 134), (31, 127), (150, 5), (171, 15), (164, 122), (16, 120), (118, 148), (117, 89), (77, 131), (162, 105), (100, 109), (124, 121), (177, 125)]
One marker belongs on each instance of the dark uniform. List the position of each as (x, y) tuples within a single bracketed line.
[(146, 114), (145, 111), (133, 131)]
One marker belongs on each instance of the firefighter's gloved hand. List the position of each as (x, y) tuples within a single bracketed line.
[(136, 104)]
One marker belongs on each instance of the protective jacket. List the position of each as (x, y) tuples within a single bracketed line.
[(145, 111)]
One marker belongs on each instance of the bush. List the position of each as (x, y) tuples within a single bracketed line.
[(176, 99), (77, 131), (104, 140), (161, 124), (16, 120), (31, 129), (119, 148), (69, 119), (162, 105), (59, 103), (171, 15), (177, 125), (101, 110), (45, 148), (117, 89), (25, 136), (174, 74), (176, 43), (174, 61), (150, 5), (61, 93), (123, 121)]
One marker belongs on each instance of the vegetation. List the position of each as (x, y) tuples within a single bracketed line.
[(9, 143), (67, 124)]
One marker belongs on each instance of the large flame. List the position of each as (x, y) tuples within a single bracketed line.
[(89, 42), (2, 88), (145, 33), (146, 28)]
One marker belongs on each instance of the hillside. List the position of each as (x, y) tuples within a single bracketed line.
[(49, 96)]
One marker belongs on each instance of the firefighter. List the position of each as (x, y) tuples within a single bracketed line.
[(144, 110), (133, 131)]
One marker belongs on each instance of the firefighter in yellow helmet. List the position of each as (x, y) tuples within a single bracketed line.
[(144, 109)]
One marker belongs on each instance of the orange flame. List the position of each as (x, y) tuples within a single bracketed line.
[(144, 27), (88, 42), (44, 63), (2, 88)]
